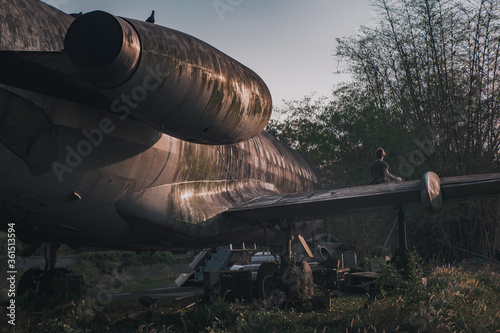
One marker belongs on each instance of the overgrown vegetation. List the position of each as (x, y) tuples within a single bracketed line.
[(106, 269), (455, 298), (425, 86)]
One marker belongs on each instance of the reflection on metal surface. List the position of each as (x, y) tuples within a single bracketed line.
[(143, 180), (31, 26), (430, 192), (181, 85), (169, 193)]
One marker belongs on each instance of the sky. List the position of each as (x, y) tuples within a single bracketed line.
[(289, 43)]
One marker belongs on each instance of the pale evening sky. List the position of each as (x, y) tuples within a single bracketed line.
[(288, 43)]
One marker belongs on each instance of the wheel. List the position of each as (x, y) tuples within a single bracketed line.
[(266, 280), (52, 282), (307, 278), (28, 281)]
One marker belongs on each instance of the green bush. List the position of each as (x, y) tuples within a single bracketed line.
[(454, 299), (108, 262)]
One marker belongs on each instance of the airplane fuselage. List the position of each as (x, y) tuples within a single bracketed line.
[(119, 183), (119, 133)]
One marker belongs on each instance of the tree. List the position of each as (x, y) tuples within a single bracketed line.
[(436, 64), (340, 135), (426, 87)]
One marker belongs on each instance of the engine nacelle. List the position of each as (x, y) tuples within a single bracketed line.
[(169, 80)]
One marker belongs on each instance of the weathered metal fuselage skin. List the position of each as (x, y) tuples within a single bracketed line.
[(86, 175), (176, 83), (123, 184)]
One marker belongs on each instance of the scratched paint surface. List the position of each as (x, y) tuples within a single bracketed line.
[(185, 185), (31, 26), (201, 95), (133, 186)]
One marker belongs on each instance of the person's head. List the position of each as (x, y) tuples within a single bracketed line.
[(379, 153)]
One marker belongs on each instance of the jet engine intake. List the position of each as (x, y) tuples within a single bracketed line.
[(105, 49), (169, 80)]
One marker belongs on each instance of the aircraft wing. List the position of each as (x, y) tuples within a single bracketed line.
[(430, 192)]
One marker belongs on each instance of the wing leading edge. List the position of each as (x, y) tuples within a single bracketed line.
[(429, 192)]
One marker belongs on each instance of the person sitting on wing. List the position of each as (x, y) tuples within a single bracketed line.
[(379, 170)]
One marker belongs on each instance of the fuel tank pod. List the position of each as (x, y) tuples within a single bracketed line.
[(169, 80)]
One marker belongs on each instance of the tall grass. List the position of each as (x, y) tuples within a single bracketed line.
[(455, 299)]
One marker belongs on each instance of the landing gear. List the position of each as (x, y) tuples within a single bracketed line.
[(286, 281), (29, 281), (282, 286), (400, 259), (50, 255), (50, 281), (40, 280), (266, 282)]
